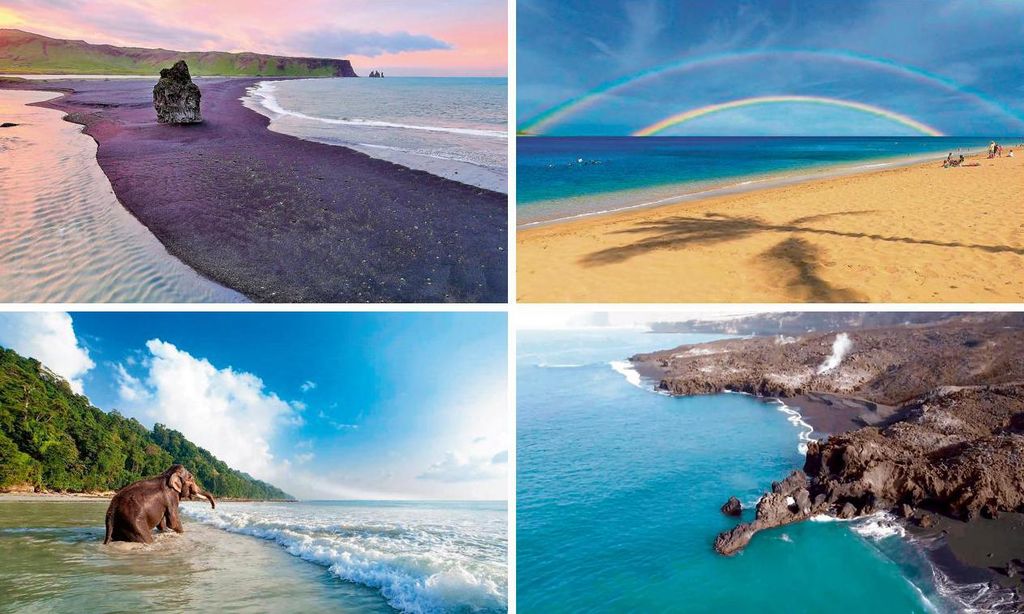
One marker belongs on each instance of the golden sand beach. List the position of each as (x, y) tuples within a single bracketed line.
[(919, 233)]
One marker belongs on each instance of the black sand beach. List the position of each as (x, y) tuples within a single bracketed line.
[(285, 220)]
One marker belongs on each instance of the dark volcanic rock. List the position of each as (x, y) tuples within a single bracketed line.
[(176, 97), (949, 442), (8, 125), (732, 507), (952, 452), (788, 502), (887, 366)]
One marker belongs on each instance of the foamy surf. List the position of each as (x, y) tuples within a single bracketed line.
[(625, 369), (422, 558), (452, 129)]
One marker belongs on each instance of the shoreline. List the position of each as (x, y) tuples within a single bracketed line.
[(913, 233), (260, 97), (106, 495), (740, 184), (962, 565), (268, 214), (66, 237)]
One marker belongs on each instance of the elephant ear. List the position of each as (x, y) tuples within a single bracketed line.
[(175, 482)]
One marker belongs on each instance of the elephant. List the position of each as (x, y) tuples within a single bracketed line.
[(142, 506)]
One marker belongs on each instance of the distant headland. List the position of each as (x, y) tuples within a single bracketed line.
[(28, 53)]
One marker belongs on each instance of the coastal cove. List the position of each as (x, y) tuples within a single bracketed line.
[(281, 219), (594, 435)]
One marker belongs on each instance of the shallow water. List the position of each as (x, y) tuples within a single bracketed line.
[(52, 559), (421, 556), (451, 127), (619, 488), (561, 178), (64, 237)]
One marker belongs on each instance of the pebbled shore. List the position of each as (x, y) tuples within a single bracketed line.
[(280, 219)]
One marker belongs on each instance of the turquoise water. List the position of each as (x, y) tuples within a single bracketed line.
[(560, 177), (618, 493), (453, 127)]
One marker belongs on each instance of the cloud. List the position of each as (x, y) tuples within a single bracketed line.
[(339, 42), (50, 339), (307, 385), (459, 467), (230, 413), (303, 458)]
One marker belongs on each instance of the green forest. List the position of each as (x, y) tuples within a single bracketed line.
[(52, 438)]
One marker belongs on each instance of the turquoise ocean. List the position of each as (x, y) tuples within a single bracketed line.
[(562, 178), (619, 489)]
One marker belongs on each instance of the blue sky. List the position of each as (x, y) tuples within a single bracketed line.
[(952, 64), (324, 405)]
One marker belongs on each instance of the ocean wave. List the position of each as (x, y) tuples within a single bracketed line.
[(977, 597), (625, 368), (545, 365), (879, 526), (263, 93), (421, 569), (796, 419)]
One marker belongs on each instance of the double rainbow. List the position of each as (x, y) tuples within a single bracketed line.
[(542, 122), (686, 116)]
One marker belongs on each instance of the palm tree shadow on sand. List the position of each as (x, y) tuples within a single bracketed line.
[(796, 256)]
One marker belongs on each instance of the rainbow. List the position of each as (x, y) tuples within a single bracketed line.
[(686, 116), (545, 120)]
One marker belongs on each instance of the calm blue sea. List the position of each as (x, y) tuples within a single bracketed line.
[(619, 488), (561, 177), (453, 127)]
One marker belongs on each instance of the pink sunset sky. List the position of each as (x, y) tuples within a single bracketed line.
[(407, 37)]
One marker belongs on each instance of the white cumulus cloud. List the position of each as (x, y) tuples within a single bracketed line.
[(228, 412), (50, 339), (467, 467)]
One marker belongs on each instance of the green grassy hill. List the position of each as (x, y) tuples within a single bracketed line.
[(55, 439), (26, 53)]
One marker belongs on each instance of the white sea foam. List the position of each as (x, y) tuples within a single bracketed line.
[(796, 419), (421, 560), (625, 368), (878, 526), (545, 365), (446, 134), (264, 93)]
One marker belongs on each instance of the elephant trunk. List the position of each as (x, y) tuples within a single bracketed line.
[(203, 493)]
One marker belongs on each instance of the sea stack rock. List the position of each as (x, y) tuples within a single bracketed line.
[(176, 97), (732, 507)]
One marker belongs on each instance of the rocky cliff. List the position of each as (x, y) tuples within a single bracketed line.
[(954, 444), (26, 52)]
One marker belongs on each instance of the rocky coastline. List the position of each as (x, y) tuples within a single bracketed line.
[(926, 422)]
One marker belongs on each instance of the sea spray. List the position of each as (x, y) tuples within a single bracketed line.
[(625, 368), (421, 557)]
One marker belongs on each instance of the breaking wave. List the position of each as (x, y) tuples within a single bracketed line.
[(421, 560)]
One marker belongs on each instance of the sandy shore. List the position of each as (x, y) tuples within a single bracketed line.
[(920, 233), (285, 220)]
